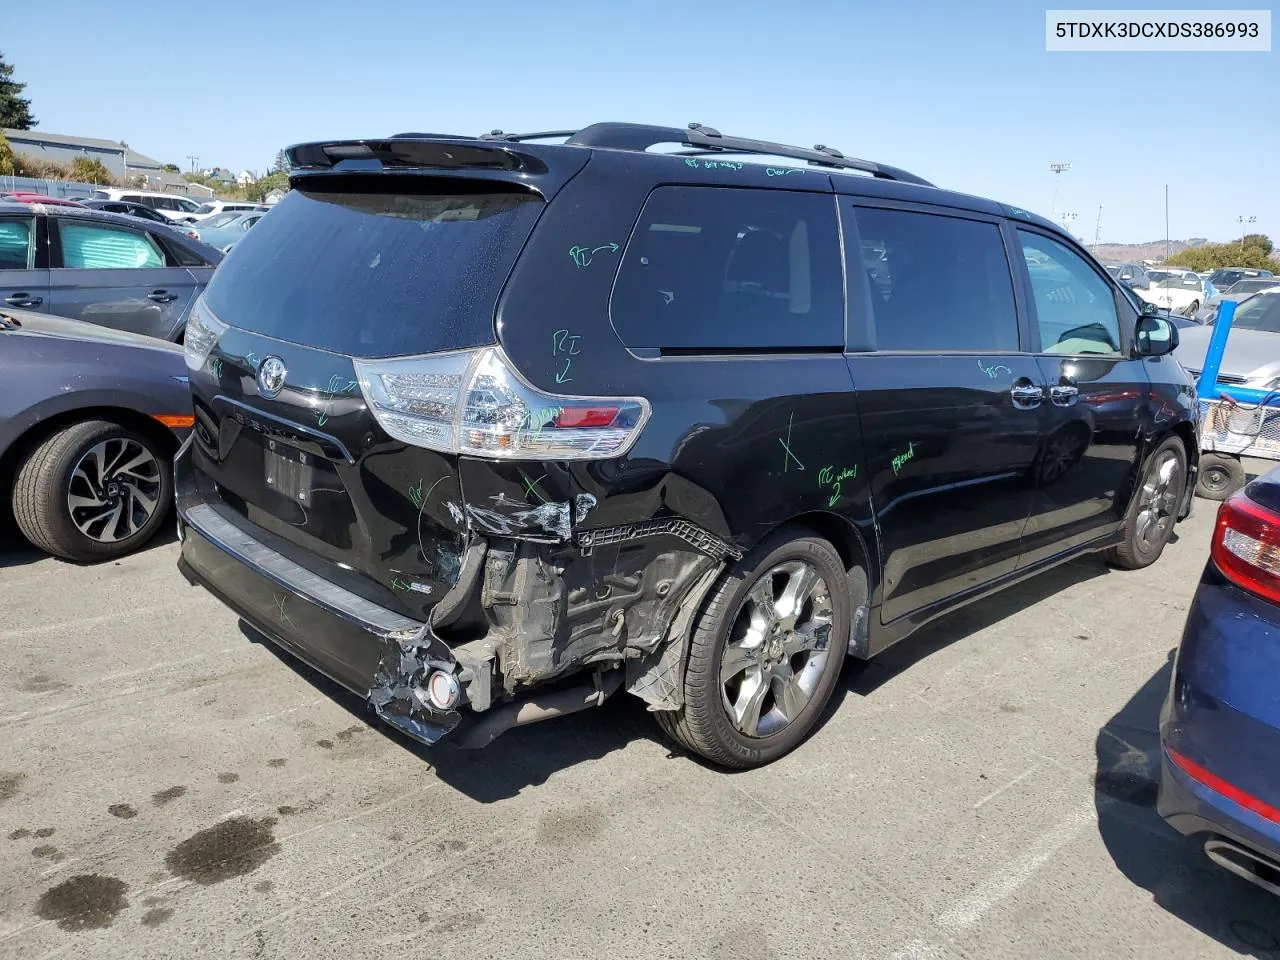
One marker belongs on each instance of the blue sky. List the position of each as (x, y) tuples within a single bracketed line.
[(962, 94)]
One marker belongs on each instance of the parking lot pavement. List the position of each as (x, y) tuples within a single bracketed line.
[(170, 787)]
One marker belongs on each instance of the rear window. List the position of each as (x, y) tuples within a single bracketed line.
[(724, 268), (376, 274)]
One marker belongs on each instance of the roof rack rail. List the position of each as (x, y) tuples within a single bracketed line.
[(707, 140)]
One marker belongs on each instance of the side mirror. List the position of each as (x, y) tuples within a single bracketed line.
[(1149, 309), (1156, 336)]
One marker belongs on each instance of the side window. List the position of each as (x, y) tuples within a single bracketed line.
[(164, 203), (182, 256), (1075, 308), (15, 244), (101, 246), (938, 283), (717, 268)]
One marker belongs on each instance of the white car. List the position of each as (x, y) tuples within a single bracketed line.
[(212, 208), (171, 205), (1179, 291)]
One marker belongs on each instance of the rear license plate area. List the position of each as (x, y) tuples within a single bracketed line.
[(288, 471)]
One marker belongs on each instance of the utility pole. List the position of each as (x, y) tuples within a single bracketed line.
[(1166, 223), (1244, 225), (1097, 230), (1058, 169), (1068, 219), (193, 160)]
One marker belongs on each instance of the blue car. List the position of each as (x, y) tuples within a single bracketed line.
[(1220, 727)]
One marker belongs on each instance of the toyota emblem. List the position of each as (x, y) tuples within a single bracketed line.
[(271, 377)]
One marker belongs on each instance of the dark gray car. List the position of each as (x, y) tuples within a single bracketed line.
[(89, 421), (103, 268)]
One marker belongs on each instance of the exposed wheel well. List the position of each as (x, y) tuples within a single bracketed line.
[(842, 535), (1188, 436), (41, 431)]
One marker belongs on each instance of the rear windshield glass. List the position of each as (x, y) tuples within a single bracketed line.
[(375, 274)]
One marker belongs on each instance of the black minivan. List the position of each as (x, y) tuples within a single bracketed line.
[(490, 428)]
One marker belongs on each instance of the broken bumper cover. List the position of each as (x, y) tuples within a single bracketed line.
[(374, 652)]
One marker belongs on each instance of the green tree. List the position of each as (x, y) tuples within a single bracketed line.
[(1260, 240), (1212, 256), (281, 164), (90, 170), (6, 158), (170, 168), (15, 110)]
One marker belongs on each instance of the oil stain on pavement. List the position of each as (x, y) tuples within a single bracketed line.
[(88, 901), (229, 849)]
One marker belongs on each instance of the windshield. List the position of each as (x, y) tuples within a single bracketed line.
[(206, 208), (1113, 269), (1182, 281), (1253, 286), (377, 274), (1261, 312)]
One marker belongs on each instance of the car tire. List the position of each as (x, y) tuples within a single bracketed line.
[(1148, 525), (1219, 476), (794, 680), (1193, 308), (128, 474)]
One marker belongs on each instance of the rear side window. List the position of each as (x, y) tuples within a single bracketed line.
[(716, 268), (15, 244), (938, 284), (100, 246), (376, 274)]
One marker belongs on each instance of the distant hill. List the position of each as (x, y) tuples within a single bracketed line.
[(1152, 250)]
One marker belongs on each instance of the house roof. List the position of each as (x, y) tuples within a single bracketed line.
[(134, 159), (61, 140)]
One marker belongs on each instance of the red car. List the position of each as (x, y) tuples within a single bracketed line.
[(40, 198)]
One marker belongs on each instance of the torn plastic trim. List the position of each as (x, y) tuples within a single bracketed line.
[(658, 679), (690, 533), (399, 690)]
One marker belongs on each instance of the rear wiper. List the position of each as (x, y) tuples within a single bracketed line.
[(8, 323)]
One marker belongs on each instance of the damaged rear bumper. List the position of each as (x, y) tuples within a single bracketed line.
[(376, 653)]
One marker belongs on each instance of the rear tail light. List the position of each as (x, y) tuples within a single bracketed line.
[(1246, 546), (473, 402), (202, 332)]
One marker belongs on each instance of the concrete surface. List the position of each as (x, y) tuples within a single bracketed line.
[(171, 788)]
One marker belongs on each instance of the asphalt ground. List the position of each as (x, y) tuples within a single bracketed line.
[(170, 786)]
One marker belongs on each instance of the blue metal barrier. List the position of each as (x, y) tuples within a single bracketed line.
[(1207, 386)]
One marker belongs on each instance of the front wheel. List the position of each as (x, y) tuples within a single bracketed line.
[(1193, 308), (93, 491), (1149, 523), (765, 653)]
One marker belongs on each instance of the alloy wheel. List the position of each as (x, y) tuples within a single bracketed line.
[(1157, 503), (114, 490), (777, 647)]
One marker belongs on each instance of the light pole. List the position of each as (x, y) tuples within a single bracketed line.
[(1057, 169), (1068, 219), (1244, 225)]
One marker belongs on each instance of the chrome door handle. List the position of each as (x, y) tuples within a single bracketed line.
[(1064, 394), (23, 300), (1026, 395), (162, 296)]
